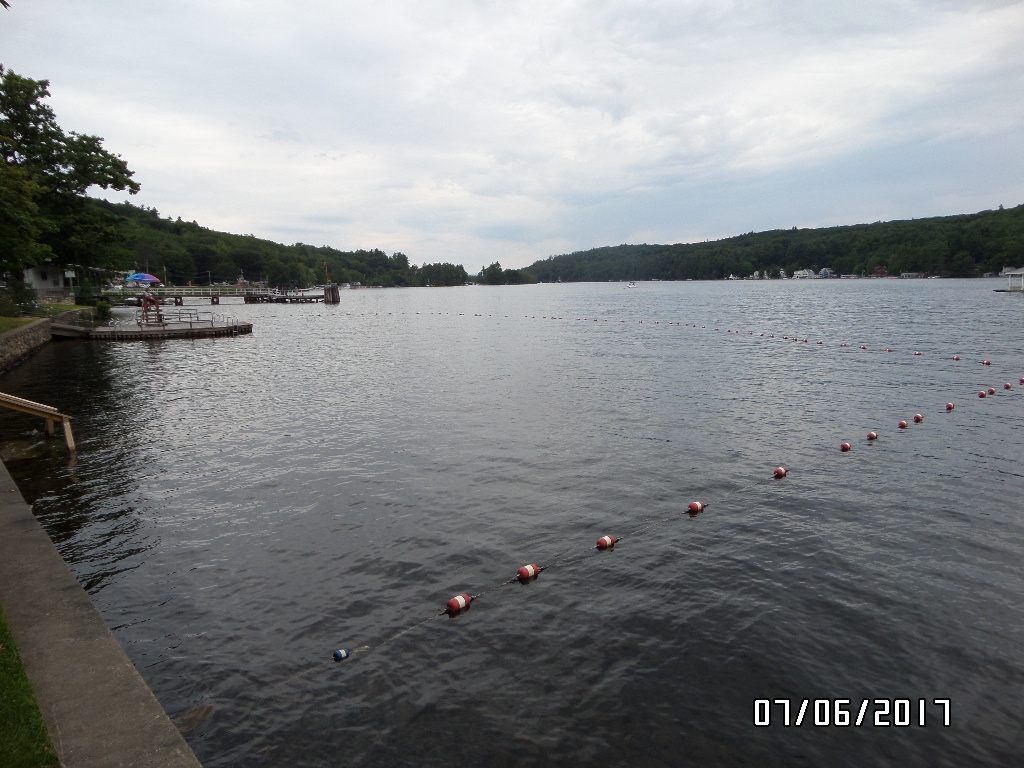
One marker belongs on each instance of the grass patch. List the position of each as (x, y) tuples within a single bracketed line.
[(24, 742), (10, 323)]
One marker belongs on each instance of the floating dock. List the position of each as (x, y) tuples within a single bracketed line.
[(150, 324)]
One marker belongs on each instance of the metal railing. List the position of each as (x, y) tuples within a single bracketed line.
[(181, 317)]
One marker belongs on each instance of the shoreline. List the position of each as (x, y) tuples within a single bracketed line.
[(98, 710)]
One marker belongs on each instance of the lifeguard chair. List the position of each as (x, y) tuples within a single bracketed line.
[(150, 310)]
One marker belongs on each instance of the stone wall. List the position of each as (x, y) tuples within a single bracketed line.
[(18, 344)]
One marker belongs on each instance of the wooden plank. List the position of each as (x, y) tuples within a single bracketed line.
[(13, 401)]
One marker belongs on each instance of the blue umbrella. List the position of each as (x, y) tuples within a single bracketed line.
[(142, 277)]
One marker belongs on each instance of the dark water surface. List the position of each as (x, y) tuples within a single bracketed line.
[(240, 508)]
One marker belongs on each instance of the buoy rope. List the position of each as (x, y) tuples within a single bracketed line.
[(811, 341), (572, 554)]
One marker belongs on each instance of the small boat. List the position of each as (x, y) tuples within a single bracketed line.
[(631, 284)]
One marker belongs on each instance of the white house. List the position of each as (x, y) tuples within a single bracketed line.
[(50, 281)]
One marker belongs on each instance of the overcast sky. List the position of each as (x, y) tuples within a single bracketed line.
[(472, 131)]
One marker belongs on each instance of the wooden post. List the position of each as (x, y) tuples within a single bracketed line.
[(48, 413), (67, 434)]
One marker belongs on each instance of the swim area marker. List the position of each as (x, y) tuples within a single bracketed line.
[(461, 603)]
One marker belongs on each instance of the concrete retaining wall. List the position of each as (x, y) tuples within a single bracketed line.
[(97, 708)]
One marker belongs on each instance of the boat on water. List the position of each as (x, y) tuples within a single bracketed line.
[(631, 284)]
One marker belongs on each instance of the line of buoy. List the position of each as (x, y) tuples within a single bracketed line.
[(917, 353), (461, 602)]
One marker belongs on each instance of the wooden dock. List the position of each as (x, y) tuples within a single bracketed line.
[(184, 323), (176, 295), (137, 333), (52, 415)]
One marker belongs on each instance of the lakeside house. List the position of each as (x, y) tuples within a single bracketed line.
[(52, 282), (49, 281)]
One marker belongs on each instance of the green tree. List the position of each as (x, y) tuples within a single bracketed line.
[(962, 265), (61, 167), (492, 275), (21, 224)]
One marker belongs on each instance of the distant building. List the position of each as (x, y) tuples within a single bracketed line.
[(49, 281), (804, 274), (1014, 274), (826, 272)]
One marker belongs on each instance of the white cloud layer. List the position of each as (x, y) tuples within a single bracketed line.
[(469, 131)]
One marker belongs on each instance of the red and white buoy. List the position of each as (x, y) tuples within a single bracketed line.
[(780, 472), (844, 447), (1007, 385), (981, 393), (872, 435), (949, 406), (991, 390), (1022, 379), (606, 541), (986, 362), (918, 418), (696, 506), (862, 346), (917, 353), (887, 349), (459, 603), (528, 571), (956, 357), (903, 425)]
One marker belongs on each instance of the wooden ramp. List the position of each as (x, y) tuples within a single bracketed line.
[(47, 412)]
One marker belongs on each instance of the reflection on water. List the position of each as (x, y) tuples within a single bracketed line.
[(240, 508)]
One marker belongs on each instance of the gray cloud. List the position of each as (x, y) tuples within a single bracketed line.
[(454, 129)]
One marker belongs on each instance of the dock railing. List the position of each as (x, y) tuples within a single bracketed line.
[(183, 317), (47, 412)]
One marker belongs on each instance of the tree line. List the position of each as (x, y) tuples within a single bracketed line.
[(952, 246), (183, 251), (47, 217)]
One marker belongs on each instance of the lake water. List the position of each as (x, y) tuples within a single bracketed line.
[(240, 508)]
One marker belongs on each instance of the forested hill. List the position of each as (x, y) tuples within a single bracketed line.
[(955, 246), (181, 252)]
